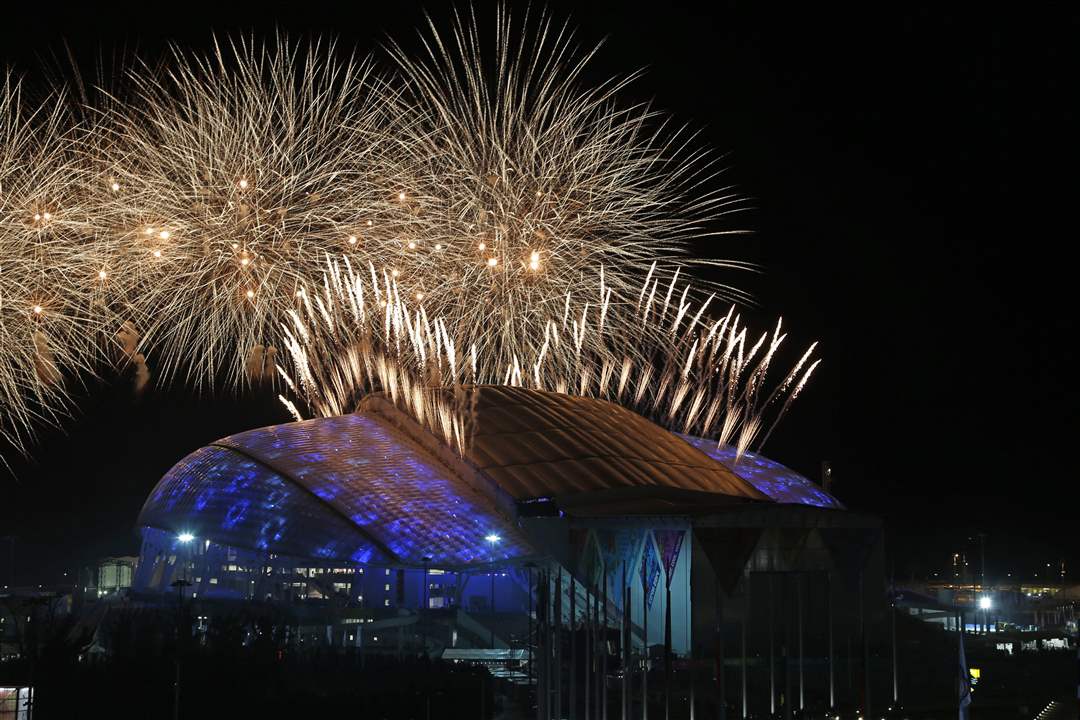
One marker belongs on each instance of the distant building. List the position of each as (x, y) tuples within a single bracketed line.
[(115, 574)]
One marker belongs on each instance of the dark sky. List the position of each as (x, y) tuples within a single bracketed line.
[(904, 166)]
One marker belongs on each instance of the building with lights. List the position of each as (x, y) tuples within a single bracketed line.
[(375, 518)]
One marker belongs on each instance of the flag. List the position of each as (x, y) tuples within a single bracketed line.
[(965, 676)]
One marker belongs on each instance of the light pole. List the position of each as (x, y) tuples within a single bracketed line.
[(985, 603), (423, 627), (982, 576), (492, 540), (13, 574), (183, 538), (427, 561)]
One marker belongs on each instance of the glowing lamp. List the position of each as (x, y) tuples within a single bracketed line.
[(985, 603), (492, 538), (185, 537)]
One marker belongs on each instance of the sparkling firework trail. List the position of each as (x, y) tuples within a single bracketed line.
[(49, 296), (224, 180), (698, 378), (527, 187)]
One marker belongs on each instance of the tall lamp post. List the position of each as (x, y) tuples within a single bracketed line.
[(985, 603), (427, 562), (492, 540), (423, 627), (184, 539), (12, 573)]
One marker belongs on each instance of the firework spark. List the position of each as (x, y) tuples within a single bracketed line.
[(225, 179), (525, 186), (49, 304), (358, 333), (477, 215)]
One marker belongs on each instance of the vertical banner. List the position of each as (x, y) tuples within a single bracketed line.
[(618, 548), (650, 569), (669, 543)]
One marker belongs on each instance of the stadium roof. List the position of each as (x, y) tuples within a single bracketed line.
[(375, 487)]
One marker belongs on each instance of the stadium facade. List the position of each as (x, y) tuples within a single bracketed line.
[(373, 515)]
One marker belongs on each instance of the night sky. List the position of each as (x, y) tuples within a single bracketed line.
[(902, 166)]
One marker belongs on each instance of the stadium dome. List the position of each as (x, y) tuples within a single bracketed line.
[(376, 487)]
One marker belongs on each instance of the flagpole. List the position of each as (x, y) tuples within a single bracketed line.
[(964, 684)]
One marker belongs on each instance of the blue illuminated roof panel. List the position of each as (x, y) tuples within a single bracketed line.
[(217, 493), (780, 483), (392, 491)]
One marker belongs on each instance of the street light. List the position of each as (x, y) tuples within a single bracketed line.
[(423, 627), (427, 561), (185, 537), (179, 584), (492, 540), (985, 604)]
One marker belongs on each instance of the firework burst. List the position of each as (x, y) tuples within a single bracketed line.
[(224, 181), (50, 310), (478, 215), (525, 187)]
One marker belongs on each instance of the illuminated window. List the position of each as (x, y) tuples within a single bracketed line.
[(386, 602), (386, 587)]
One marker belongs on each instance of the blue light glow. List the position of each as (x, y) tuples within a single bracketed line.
[(285, 489), (780, 483)]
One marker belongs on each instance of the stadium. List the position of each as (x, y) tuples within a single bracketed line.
[(385, 538)]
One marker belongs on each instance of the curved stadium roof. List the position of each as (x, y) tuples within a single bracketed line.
[(374, 487)]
